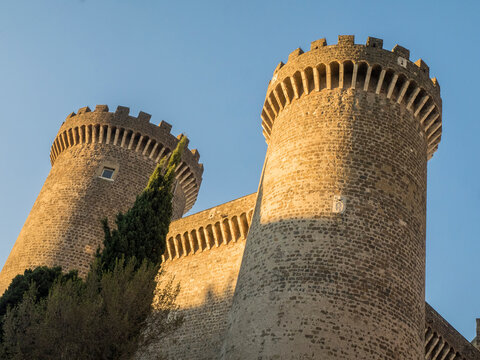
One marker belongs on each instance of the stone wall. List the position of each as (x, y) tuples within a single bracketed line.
[(443, 342), (206, 266)]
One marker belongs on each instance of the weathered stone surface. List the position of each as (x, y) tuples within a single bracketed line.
[(207, 270), (63, 227), (208, 277), (442, 341), (319, 283), (332, 263)]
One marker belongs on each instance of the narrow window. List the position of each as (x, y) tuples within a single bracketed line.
[(107, 173)]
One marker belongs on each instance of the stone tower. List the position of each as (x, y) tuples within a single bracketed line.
[(334, 264), (100, 162)]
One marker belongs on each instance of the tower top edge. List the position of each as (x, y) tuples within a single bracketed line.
[(121, 117), (361, 67), (122, 112), (137, 134), (371, 51)]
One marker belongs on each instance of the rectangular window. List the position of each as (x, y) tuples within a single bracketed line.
[(107, 173)]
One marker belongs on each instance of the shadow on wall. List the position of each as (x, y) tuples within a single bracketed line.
[(312, 275), (202, 333)]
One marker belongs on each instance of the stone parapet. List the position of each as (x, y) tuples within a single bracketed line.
[(367, 68), (133, 133), (210, 228), (443, 342)]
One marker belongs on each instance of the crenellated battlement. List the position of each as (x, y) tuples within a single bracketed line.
[(367, 68), (442, 341), (121, 113), (133, 133), (349, 41), (209, 229)]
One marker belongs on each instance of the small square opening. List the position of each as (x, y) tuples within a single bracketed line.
[(107, 173)]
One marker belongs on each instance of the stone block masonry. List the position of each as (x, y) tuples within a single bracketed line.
[(207, 278), (204, 255), (323, 281), (63, 227), (326, 261)]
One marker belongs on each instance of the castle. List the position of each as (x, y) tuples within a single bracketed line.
[(325, 261)]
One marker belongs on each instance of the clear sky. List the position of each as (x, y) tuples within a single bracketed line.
[(204, 67)]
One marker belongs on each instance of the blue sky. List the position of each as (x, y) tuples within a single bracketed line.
[(204, 67)]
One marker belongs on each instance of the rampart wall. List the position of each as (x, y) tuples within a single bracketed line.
[(204, 254), (443, 342)]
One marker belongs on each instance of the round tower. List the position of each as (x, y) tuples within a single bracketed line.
[(334, 264), (100, 162)]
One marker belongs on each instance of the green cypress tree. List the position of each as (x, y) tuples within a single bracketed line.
[(141, 232)]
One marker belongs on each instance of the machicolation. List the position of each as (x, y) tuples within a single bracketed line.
[(132, 133), (367, 68)]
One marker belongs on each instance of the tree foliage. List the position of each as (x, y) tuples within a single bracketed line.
[(142, 230), (101, 318), (43, 277)]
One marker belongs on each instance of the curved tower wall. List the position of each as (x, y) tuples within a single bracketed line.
[(63, 227), (334, 264)]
